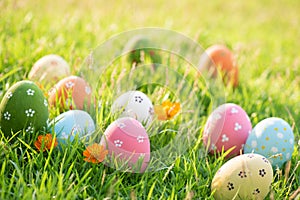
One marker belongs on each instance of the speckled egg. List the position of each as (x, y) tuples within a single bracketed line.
[(71, 92), (273, 138), (49, 68), (248, 176), (136, 46), (219, 56), (134, 104), (127, 143), (23, 107), (72, 123), (227, 126)]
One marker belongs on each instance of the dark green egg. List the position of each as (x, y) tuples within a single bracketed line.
[(140, 48), (23, 107)]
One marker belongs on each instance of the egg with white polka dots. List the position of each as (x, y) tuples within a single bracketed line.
[(128, 145), (49, 68), (134, 104), (228, 126), (71, 124), (71, 93), (274, 138), (247, 176), (23, 107)]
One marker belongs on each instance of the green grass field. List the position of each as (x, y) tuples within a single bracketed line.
[(264, 35)]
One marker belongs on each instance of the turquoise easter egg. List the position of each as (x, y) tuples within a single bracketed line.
[(273, 138)]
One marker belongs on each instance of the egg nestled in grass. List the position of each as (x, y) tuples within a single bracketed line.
[(248, 176), (228, 126), (273, 138), (49, 68), (72, 92), (219, 57), (140, 47), (134, 104), (23, 107), (71, 124), (128, 145)]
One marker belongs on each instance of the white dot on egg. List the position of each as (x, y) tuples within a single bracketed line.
[(291, 141), (288, 155), (280, 135), (254, 144), (274, 149)]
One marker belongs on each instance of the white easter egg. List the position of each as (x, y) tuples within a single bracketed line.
[(49, 68), (134, 104)]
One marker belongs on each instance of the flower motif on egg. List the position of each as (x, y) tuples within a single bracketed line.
[(88, 90), (30, 112), (69, 84), (9, 95), (30, 92), (237, 126), (7, 115), (118, 143), (140, 139), (29, 129), (45, 103)]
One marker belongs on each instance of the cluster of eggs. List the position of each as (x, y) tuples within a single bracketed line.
[(25, 107), (271, 142)]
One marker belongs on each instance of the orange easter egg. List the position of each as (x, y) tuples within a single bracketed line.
[(220, 57), (71, 92)]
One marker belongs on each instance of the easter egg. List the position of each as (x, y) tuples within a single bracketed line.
[(227, 126), (71, 92), (248, 176), (49, 68), (134, 104), (220, 57), (139, 47), (23, 107), (273, 138), (72, 123), (127, 142)]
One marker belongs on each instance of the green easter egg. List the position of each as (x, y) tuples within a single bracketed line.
[(23, 107), (140, 44)]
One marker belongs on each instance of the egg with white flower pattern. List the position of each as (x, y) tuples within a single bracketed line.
[(128, 145), (49, 68), (134, 104), (72, 123), (23, 107), (72, 92), (228, 126), (272, 137), (248, 176)]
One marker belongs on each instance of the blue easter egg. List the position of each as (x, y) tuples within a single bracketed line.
[(72, 123), (273, 138)]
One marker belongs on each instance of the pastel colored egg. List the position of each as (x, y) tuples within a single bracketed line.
[(71, 124), (71, 92), (220, 57), (248, 176), (49, 68), (138, 48), (127, 142), (134, 104), (228, 126), (23, 107), (273, 138)]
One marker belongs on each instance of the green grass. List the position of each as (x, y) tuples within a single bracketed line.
[(264, 35)]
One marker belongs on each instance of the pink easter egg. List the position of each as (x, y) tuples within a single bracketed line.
[(227, 126), (127, 142)]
